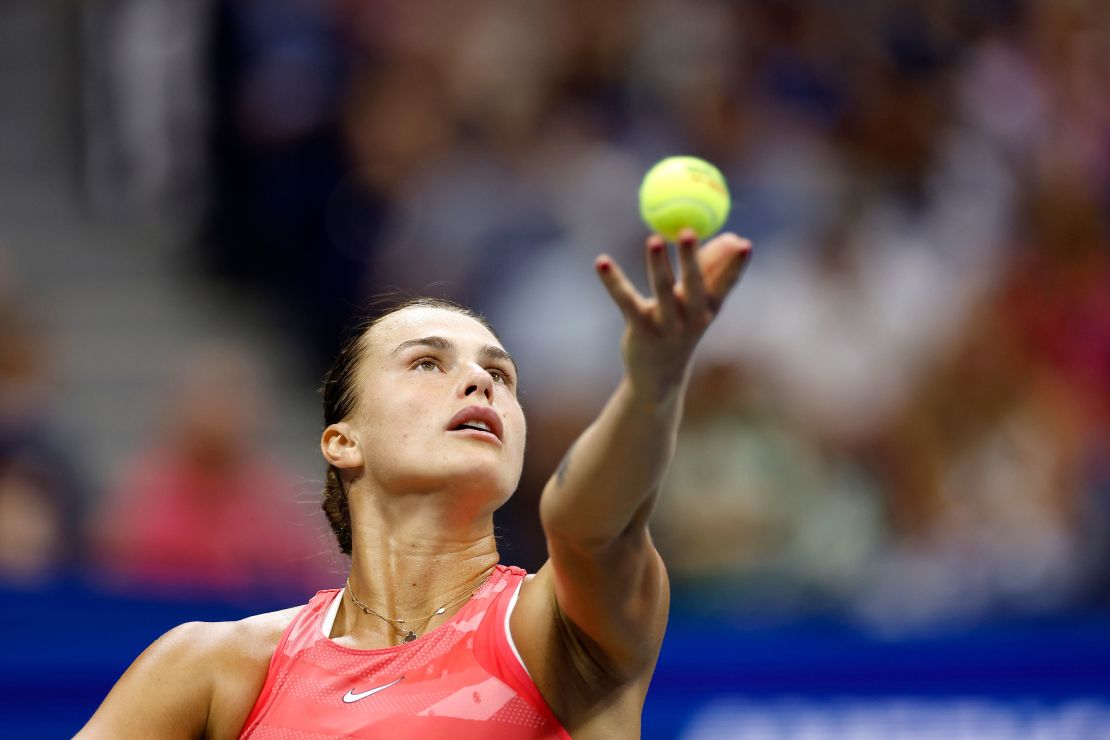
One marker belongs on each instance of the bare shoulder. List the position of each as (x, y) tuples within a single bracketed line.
[(240, 656), (200, 679)]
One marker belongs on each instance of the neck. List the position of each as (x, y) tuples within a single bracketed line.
[(411, 577), (407, 561)]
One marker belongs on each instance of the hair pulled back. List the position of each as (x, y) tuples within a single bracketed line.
[(341, 396)]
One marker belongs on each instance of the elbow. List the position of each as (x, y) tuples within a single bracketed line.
[(586, 529), (573, 526)]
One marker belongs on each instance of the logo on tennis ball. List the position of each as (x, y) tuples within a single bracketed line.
[(684, 192)]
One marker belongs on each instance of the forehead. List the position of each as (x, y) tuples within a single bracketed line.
[(425, 321)]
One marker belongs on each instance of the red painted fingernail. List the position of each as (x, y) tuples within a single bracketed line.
[(656, 247), (604, 266)]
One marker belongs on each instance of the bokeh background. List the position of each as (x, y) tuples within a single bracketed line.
[(890, 511)]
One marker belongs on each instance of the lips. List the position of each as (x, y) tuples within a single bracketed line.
[(477, 417)]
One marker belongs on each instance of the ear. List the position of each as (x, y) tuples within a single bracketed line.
[(340, 446)]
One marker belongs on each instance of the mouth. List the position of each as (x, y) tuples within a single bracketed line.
[(480, 420)]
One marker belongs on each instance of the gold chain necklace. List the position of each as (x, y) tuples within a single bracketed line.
[(410, 635)]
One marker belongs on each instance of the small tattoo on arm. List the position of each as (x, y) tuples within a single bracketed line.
[(561, 471)]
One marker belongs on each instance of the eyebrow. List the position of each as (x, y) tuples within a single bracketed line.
[(487, 353)]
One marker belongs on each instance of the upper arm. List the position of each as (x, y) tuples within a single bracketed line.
[(165, 693), (606, 605)]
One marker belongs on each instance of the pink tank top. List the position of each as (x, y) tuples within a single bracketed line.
[(462, 680)]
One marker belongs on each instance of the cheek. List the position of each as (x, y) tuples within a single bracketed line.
[(389, 417), (515, 420)]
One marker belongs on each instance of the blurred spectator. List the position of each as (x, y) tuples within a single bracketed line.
[(278, 78), (759, 505), (144, 102), (982, 498), (41, 492), (201, 508), (1058, 288), (38, 532), (995, 461)]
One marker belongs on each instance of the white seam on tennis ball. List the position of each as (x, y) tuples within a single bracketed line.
[(687, 200)]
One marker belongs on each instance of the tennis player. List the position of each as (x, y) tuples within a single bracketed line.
[(431, 637)]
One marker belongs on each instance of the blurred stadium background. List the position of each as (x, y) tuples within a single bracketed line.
[(890, 512)]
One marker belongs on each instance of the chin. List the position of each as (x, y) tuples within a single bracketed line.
[(484, 477), (470, 474), (485, 462), (492, 482)]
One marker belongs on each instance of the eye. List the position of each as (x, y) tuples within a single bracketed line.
[(500, 376), (426, 364)]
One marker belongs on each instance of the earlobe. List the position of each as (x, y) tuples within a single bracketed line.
[(339, 446)]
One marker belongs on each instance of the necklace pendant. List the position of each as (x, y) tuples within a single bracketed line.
[(441, 610), (410, 636)]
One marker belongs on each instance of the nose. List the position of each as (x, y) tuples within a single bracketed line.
[(478, 382)]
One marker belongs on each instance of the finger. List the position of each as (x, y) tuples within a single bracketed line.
[(725, 259), (693, 284), (621, 289), (662, 281)]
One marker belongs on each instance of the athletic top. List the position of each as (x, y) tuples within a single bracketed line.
[(463, 680)]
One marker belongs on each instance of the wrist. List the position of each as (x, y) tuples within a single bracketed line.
[(654, 395)]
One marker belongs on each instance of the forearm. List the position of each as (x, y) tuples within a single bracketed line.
[(610, 476), (615, 467)]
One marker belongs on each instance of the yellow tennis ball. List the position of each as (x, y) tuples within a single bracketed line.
[(681, 192)]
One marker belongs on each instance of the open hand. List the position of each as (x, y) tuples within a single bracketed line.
[(662, 331)]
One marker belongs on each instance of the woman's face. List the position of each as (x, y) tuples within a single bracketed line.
[(437, 406)]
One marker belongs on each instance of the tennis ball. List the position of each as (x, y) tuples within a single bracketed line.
[(680, 192)]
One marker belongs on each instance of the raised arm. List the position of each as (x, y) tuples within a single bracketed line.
[(604, 576), (609, 478)]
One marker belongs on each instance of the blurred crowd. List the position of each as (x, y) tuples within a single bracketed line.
[(198, 510), (902, 415)]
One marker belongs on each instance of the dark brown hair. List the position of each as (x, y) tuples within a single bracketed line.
[(341, 395)]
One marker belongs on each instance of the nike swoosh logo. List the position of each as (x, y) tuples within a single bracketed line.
[(351, 696)]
